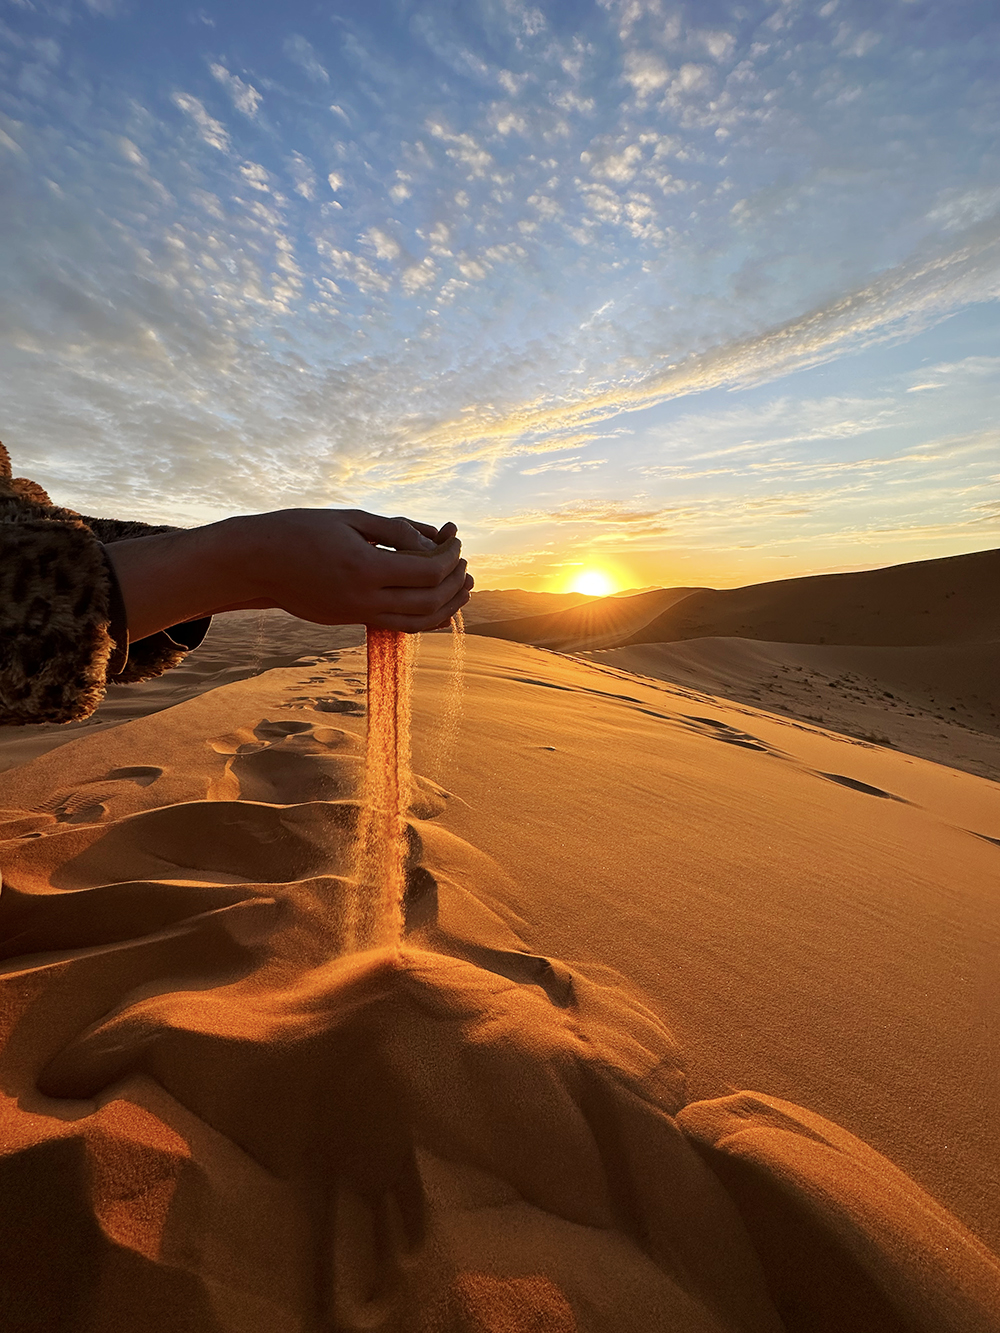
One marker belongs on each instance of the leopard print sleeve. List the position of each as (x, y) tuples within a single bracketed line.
[(54, 640), (58, 618)]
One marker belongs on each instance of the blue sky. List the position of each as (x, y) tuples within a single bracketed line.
[(691, 293)]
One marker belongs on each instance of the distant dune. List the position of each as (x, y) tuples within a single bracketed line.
[(954, 600), (604, 622), (905, 656)]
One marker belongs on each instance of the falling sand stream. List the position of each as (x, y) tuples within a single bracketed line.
[(381, 850)]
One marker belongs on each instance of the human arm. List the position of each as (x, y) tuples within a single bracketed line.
[(328, 566), (64, 621)]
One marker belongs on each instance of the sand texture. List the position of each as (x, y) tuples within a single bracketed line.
[(692, 1026)]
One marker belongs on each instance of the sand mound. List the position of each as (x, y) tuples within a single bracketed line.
[(214, 1119)]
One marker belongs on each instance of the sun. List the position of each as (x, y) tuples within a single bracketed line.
[(594, 583)]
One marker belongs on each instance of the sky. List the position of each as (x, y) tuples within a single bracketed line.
[(687, 294)]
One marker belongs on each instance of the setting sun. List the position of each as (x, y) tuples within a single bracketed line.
[(594, 583)]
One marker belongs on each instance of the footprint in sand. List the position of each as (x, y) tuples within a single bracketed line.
[(722, 731), (141, 774), (328, 704), (865, 787), (74, 808)]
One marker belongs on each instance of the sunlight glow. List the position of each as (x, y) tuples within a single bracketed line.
[(594, 583)]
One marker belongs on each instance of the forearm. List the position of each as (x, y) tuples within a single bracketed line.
[(174, 577)]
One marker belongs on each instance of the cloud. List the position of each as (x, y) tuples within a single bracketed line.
[(213, 133), (255, 176), (245, 96), (303, 175), (853, 43), (300, 51), (895, 305), (646, 72), (130, 152), (418, 276), (10, 144), (719, 45), (385, 246), (572, 464), (463, 148), (456, 57)]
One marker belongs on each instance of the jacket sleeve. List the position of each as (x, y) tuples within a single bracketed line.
[(62, 629)]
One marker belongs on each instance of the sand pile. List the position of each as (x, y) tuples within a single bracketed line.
[(215, 1117)]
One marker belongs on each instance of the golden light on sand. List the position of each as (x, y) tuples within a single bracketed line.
[(594, 583)]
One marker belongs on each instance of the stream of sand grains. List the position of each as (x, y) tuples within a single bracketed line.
[(381, 849)]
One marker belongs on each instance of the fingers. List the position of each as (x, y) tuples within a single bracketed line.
[(405, 569), (414, 624), (425, 529), (423, 600), (398, 533)]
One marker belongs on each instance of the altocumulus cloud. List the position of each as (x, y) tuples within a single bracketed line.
[(338, 261)]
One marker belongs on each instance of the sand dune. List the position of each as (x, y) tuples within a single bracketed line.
[(905, 656), (605, 622), (626, 906), (953, 600), (941, 703)]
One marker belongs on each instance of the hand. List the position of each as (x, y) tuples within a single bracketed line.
[(332, 567)]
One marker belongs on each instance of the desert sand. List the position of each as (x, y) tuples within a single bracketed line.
[(691, 1026), (907, 657)]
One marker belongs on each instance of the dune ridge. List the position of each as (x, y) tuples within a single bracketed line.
[(925, 602)]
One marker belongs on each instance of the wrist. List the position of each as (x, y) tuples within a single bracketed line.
[(248, 549), (237, 550), (173, 577)]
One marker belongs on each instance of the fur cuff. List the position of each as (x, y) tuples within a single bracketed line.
[(54, 641)]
